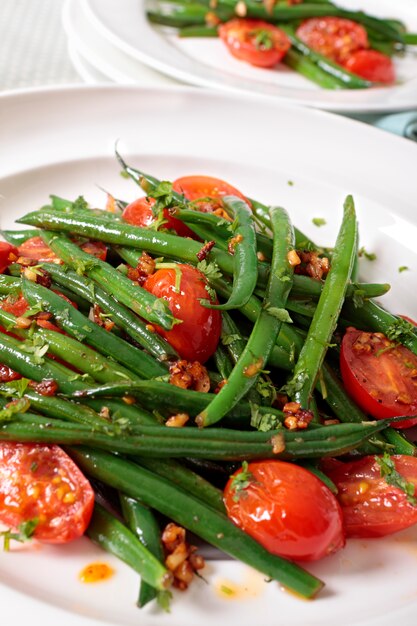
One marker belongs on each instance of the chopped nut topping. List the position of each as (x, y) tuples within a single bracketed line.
[(293, 258), (178, 420), (204, 251), (330, 422), (278, 443), (23, 322), (101, 320), (241, 9), (129, 399), (261, 256), (144, 269), (189, 375), (296, 418), (211, 19), (254, 368), (220, 386), (181, 558), (105, 412), (312, 265), (234, 241)]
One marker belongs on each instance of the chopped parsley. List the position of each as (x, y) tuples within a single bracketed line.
[(371, 256), (400, 330), (319, 221), (263, 421), (209, 269), (263, 39), (241, 482), (15, 387), (392, 477), (17, 406), (358, 298), (80, 203), (24, 533), (403, 268)]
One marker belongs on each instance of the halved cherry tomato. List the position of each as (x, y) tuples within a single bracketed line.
[(16, 306), (199, 187), (286, 509), (196, 338), (379, 375), (139, 213), (371, 65), (42, 482), (8, 254), (372, 507), (36, 250), (334, 37), (254, 41)]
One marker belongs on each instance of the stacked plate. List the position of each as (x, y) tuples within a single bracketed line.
[(112, 40)]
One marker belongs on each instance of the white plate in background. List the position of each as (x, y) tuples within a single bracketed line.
[(87, 43), (62, 142), (207, 63)]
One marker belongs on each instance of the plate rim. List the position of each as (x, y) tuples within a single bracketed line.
[(47, 91)]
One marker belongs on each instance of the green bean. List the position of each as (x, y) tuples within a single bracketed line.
[(143, 524), (70, 350), (9, 284), (17, 237), (219, 444), (306, 286), (245, 261), (145, 304), (189, 512), (27, 359), (266, 329), (80, 327), (292, 13), (324, 322), (109, 533), (198, 31), (305, 66), (121, 315), (155, 242), (336, 71)]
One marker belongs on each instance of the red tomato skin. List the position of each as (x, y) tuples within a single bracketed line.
[(139, 213), (36, 250), (371, 65), (16, 307), (8, 254), (195, 187), (371, 507), (288, 510), (41, 481), (365, 374), (334, 37), (7, 374), (239, 36), (196, 338)]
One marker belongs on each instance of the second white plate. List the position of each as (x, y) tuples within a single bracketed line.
[(206, 62)]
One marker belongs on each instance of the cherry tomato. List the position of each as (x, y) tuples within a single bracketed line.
[(379, 375), (286, 509), (196, 338), (254, 41), (15, 306), (36, 250), (139, 213), (8, 254), (7, 374), (334, 37), (199, 187), (371, 507), (371, 65), (41, 482)]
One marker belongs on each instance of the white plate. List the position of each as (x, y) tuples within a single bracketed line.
[(88, 43), (62, 142), (206, 62), (85, 70)]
